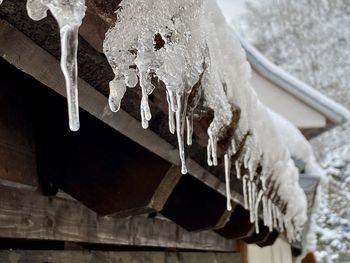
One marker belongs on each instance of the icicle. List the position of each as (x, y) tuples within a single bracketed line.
[(254, 195), (69, 16), (238, 169), (280, 219), (131, 79), (264, 202), (146, 88), (250, 201), (117, 90), (227, 158), (171, 114), (245, 194), (233, 146), (209, 150), (180, 127), (194, 99), (172, 99), (269, 208), (274, 215), (212, 149), (189, 125), (256, 211), (246, 159)]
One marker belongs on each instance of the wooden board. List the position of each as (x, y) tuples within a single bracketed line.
[(108, 257), (26, 214), (195, 206), (239, 225), (17, 149)]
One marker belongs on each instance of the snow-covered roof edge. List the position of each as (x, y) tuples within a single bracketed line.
[(329, 108)]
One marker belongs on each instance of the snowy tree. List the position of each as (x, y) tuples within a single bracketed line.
[(311, 40)]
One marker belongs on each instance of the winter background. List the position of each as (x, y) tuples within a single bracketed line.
[(311, 40)]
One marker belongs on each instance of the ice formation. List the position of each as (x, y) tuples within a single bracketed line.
[(185, 44), (188, 47), (69, 15)]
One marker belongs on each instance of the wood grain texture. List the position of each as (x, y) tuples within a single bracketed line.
[(26, 214), (17, 148), (109, 257)]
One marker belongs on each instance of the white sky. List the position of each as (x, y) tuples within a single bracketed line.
[(231, 8)]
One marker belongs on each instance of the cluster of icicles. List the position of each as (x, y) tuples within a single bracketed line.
[(187, 45)]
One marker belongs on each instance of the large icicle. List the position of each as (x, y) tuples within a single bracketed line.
[(69, 15)]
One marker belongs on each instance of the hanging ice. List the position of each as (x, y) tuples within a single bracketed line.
[(227, 179), (69, 15), (187, 46), (161, 45)]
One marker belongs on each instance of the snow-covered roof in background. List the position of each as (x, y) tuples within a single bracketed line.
[(333, 111)]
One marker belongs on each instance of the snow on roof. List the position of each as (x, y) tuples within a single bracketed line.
[(329, 108)]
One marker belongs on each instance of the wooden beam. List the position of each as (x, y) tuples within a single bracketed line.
[(26, 214), (269, 240), (103, 169), (107, 257), (195, 206), (30, 58), (98, 166), (238, 226), (261, 237), (17, 149)]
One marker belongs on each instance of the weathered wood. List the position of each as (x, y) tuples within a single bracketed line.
[(29, 215), (238, 226), (195, 206), (30, 58), (269, 240), (17, 149), (108, 257), (98, 166), (243, 251), (262, 236), (100, 171)]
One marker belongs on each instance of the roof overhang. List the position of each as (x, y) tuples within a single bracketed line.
[(334, 113)]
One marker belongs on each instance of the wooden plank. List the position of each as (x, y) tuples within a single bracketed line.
[(195, 206), (243, 251), (30, 58), (93, 171), (26, 214), (262, 236), (269, 240), (239, 225), (108, 257), (97, 165), (17, 149)]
